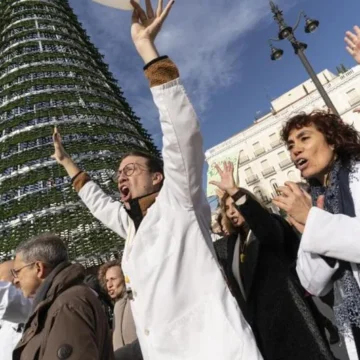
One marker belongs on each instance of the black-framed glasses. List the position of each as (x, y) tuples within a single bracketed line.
[(129, 170), (15, 272)]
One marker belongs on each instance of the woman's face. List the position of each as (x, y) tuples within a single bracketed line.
[(232, 213), (310, 152)]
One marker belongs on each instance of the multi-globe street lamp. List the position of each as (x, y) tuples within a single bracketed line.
[(288, 32)]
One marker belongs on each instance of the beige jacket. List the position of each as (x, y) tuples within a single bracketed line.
[(124, 327)]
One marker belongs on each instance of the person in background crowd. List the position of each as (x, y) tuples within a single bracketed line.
[(14, 312), (112, 279), (327, 152), (166, 223), (258, 260), (94, 284), (67, 321), (216, 229)]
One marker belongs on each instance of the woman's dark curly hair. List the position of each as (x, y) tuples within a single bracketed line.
[(344, 137)]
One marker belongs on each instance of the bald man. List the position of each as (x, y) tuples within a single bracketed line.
[(14, 311)]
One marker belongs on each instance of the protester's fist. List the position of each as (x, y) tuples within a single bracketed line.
[(352, 40), (60, 155)]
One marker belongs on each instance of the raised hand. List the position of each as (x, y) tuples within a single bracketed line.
[(59, 154), (296, 202), (320, 202), (62, 157), (146, 26), (227, 181), (352, 40)]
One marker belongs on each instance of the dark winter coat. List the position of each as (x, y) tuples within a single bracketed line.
[(275, 306), (68, 321)]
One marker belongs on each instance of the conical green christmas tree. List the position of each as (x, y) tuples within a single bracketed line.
[(51, 74)]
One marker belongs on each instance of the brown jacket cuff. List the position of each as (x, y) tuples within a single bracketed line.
[(80, 181), (160, 71)]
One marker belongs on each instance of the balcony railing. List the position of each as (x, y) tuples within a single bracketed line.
[(243, 160), (268, 171), (286, 163), (259, 151), (276, 143), (354, 100), (252, 179)]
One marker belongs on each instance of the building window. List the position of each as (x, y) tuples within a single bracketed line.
[(273, 137), (258, 193), (352, 94), (265, 164), (257, 146), (274, 185), (248, 172), (353, 97), (282, 155)]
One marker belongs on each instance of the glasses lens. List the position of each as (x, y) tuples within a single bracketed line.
[(129, 169)]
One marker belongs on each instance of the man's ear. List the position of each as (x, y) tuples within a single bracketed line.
[(157, 178), (41, 270)]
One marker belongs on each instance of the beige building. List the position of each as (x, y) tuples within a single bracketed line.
[(261, 159)]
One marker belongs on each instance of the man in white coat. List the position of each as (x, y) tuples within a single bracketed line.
[(14, 312), (182, 307)]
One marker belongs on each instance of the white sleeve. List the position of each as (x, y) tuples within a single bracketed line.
[(182, 144), (335, 235), (314, 273), (332, 235), (103, 207), (14, 307)]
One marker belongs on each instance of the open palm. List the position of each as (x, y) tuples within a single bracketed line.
[(227, 182), (60, 153), (146, 25), (352, 40)]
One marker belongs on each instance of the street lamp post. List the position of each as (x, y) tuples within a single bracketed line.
[(287, 32)]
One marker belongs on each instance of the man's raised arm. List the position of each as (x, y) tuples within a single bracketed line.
[(182, 140), (101, 205)]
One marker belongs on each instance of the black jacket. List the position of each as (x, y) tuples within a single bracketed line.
[(275, 306)]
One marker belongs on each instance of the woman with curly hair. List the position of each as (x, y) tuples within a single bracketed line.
[(327, 152), (258, 259)]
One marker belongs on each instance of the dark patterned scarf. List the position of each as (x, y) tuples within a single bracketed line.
[(338, 200)]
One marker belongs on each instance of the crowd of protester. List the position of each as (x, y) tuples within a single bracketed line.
[(177, 294)]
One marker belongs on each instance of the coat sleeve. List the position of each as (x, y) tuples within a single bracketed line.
[(103, 207), (14, 307), (314, 272), (73, 330), (265, 226), (335, 235), (182, 141)]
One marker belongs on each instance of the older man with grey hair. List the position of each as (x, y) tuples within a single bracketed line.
[(14, 311), (67, 321)]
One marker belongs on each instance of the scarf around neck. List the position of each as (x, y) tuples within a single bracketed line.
[(338, 200)]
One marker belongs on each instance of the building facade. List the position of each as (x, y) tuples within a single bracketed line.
[(52, 75), (261, 159)]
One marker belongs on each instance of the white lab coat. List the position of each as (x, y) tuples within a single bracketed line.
[(182, 307), (14, 310), (333, 235)]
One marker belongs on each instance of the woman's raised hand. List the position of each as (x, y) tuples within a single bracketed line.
[(227, 181)]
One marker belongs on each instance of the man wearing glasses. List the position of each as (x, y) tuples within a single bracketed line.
[(14, 311), (67, 320), (181, 305)]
